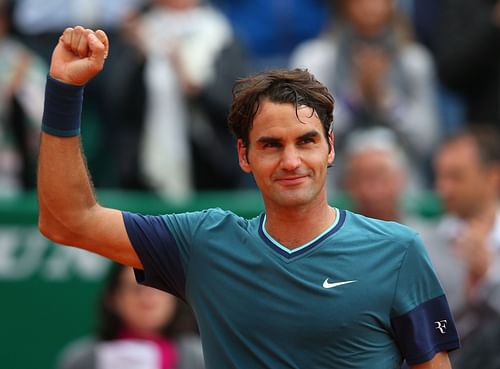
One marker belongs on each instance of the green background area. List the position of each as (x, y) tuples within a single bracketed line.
[(41, 312)]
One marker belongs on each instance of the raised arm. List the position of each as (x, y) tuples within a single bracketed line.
[(68, 211)]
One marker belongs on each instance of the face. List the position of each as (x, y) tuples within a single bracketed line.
[(288, 156), (369, 17), (463, 184), (143, 309), (374, 182)]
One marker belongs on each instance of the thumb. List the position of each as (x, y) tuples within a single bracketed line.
[(99, 46), (104, 40)]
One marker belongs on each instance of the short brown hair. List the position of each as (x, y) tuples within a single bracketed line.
[(297, 87)]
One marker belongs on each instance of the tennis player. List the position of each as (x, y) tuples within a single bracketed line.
[(304, 284)]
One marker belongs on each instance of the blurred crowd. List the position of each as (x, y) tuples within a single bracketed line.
[(417, 90), (422, 69)]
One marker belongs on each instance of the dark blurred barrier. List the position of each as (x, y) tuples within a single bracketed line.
[(48, 293)]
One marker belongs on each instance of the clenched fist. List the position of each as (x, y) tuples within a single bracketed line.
[(79, 55)]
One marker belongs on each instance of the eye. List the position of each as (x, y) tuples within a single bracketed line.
[(307, 140), (270, 145)]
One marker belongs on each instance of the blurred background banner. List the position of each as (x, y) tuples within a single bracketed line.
[(36, 320)]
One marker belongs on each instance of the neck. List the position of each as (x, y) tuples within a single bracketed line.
[(294, 227)]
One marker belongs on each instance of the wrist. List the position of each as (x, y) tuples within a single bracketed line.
[(62, 108)]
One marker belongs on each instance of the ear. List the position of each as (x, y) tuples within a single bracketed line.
[(242, 156), (331, 154)]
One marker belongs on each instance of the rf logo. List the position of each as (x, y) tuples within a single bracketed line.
[(441, 326)]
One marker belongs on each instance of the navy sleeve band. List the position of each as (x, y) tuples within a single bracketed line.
[(63, 108), (425, 331), (158, 252)]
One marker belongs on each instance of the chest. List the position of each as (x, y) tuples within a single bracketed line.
[(329, 294)]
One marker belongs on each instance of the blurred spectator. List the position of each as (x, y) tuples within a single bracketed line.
[(22, 80), (378, 75), (465, 248), (376, 175), (270, 30), (187, 93), (139, 327), (467, 50)]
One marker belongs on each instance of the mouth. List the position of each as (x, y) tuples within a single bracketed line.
[(290, 181)]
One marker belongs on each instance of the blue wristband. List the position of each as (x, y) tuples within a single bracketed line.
[(63, 108)]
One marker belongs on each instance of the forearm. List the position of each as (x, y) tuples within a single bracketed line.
[(65, 191), (68, 211)]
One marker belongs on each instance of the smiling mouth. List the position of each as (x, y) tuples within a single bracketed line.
[(291, 181)]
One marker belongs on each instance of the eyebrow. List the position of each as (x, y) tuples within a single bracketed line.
[(275, 140), (310, 134), (268, 140)]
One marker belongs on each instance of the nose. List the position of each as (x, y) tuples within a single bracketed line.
[(290, 159)]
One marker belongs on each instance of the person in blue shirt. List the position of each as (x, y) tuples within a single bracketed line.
[(303, 285)]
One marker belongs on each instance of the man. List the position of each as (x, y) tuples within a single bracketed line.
[(465, 248), (376, 175), (304, 285)]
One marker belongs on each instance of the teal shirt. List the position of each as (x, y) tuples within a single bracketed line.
[(354, 297)]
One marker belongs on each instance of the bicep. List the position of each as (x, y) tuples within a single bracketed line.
[(103, 232), (439, 361)]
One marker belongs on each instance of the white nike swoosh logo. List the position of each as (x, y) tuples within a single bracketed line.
[(326, 284)]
